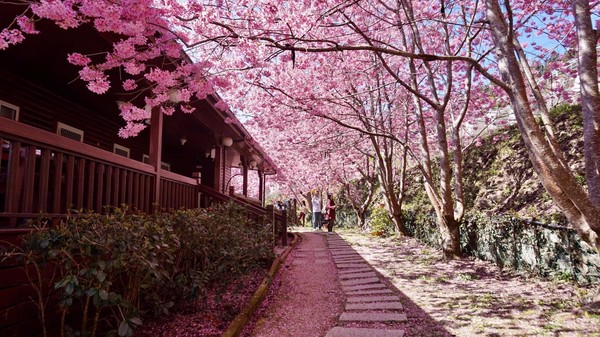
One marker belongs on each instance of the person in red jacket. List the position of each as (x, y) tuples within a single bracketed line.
[(330, 212)]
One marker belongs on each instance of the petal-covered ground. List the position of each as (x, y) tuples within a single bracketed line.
[(210, 315), (306, 299), (475, 298), (440, 298)]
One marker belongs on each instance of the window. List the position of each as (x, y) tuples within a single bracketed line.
[(9, 111), (69, 132), (121, 150), (163, 165)]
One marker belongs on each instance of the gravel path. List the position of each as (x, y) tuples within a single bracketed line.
[(308, 298)]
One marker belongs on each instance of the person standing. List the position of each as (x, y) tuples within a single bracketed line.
[(316, 209), (302, 215), (330, 212)]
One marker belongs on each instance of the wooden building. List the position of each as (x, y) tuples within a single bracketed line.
[(60, 150)]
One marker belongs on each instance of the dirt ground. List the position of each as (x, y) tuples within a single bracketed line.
[(475, 298)]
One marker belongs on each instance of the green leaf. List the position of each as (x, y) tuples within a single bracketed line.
[(103, 295), (101, 276), (69, 288), (91, 292), (62, 283), (123, 328), (136, 321)]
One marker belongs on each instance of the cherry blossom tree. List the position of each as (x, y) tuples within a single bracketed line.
[(428, 47)]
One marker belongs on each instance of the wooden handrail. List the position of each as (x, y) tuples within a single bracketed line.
[(19, 131), (178, 178), (223, 197)]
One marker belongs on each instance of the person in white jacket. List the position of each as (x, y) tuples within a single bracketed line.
[(316, 209)]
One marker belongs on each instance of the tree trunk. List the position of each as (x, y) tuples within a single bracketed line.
[(362, 219), (399, 226), (450, 232), (590, 96), (558, 180)]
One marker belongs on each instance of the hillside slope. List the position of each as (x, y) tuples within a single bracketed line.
[(499, 178)]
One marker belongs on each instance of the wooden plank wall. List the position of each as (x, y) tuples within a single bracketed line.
[(41, 108)]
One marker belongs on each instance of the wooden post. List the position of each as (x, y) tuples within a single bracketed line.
[(156, 130), (261, 187), (271, 219), (283, 230), (245, 175), (217, 162), (224, 169)]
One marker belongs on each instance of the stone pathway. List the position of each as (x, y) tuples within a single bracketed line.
[(368, 299)]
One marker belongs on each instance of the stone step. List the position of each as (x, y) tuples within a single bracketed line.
[(358, 275), (355, 282), (349, 261), (339, 331), (346, 256), (359, 299), (372, 317), (364, 287), (374, 306), (366, 292), (342, 251), (352, 265), (354, 271)]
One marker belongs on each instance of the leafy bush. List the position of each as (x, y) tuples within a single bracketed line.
[(548, 251), (116, 268), (381, 223)]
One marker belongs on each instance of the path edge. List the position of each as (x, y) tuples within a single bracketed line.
[(240, 321)]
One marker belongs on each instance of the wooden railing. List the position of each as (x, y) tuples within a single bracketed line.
[(208, 197), (279, 220), (177, 191), (44, 173)]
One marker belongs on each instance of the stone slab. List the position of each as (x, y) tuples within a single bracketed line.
[(365, 299), (358, 275), (348, 258), (374, 306), (355, 282), (355, 270), (372, 317), (341, 250), (352, 265), (369, 292), (339, 331), (321, 261), (349, 255), (345, 253), (364, 287), (354, 260)]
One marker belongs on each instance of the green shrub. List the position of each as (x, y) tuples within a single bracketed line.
[(381, 223), (116, 268)]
